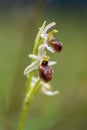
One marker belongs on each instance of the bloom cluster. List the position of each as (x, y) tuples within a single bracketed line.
[(41, 61)]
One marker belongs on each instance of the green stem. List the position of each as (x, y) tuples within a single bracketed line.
[(26, 102), (30, 91), (24, 113), (24, 109), (37, 43)]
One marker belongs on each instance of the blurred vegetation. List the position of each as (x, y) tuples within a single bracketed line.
[(68, 110)]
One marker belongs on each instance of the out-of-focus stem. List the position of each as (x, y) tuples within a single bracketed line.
[(26, 102)]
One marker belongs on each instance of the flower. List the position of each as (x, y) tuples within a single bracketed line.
[(48, 36), (45, 87), (37, 60)]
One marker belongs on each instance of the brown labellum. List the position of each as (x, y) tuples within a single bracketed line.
[(45, 71), (56, 45)]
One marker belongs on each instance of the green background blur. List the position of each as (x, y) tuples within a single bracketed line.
[(18, 28)]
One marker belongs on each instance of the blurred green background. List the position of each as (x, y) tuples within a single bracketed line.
[(19, 23)]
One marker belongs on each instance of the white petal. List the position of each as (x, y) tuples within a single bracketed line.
[(44, 35), (46, 28), (41, 50), (34, 79), (45, 85), (31, 67), (32, 56), (50, 93), (49, 48), (52, 63), (46, 89)]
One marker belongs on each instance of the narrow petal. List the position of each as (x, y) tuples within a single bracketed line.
[(49, 48), (32, 56), (50, 93), (31, 67), (52, 63), (46, 89), (41, 50), (46, 28)]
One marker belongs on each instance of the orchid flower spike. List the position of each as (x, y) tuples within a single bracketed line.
[(40, 72), (41, 61)]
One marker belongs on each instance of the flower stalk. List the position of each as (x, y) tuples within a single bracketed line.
[(40, 62)]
